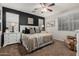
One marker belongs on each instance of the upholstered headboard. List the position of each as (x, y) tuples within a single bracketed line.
[(22, 27)]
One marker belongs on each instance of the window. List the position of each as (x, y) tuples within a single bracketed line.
[(68, 23)]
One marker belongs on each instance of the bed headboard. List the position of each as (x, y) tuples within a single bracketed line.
[(22, 27)]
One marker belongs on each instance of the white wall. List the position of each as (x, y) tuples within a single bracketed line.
[(59, 35)]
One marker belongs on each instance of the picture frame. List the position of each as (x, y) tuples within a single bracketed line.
[(30, 20)]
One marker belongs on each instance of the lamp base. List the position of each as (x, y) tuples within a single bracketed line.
[(12, 28)]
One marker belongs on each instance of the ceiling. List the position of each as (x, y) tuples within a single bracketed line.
[(29, 7)]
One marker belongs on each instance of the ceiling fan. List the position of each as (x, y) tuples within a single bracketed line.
[(44, 7)]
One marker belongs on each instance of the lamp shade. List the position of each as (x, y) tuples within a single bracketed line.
[(12, 24), (42, 25)]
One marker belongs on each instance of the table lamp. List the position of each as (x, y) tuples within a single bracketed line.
[(42, 27), (12, 24)]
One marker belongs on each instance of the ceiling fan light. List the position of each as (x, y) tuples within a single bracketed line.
[(44, 10)]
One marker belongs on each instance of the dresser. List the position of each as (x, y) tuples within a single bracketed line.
[(11, 38)]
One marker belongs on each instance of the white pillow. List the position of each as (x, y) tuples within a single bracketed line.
[(32, 31), (37, 30), (11, 38)]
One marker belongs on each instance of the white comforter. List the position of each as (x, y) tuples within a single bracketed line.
[(34, 41)]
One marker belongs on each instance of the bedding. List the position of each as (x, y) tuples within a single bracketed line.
[(34, 41)]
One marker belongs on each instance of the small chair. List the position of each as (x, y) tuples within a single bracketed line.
[(71, 42)]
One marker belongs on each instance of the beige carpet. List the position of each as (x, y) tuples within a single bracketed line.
[(56, 49)]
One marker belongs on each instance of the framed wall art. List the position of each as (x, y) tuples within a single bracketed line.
[(30, 20)]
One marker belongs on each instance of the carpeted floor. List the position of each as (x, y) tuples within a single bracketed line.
[(58, 48)]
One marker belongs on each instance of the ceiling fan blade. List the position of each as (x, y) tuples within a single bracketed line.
[(51, 4), (44, 4), (36, 9), (41, 4), (42, 12), (50, 10)]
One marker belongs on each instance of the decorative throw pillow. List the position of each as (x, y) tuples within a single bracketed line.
[(32, 31), (27, 31), (37, 30), (23, 31)]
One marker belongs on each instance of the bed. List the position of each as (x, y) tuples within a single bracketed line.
[(26, 44), (34, 41), (31, 41)]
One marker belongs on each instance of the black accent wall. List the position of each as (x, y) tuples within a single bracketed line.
[(23, 17)]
